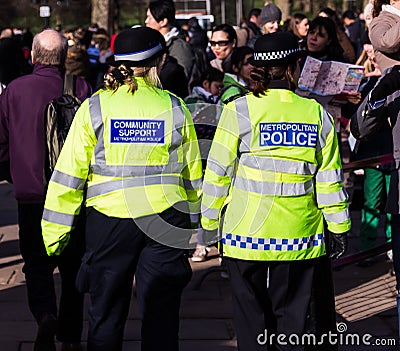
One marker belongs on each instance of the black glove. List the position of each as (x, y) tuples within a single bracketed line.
[(338, 245), (389, 83)]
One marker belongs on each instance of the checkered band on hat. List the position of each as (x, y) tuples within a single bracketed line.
[(276, 244), (273, 55)]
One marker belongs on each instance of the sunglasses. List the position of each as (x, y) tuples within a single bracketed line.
[(219, 43)]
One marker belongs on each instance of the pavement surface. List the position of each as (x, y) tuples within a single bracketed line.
[(206, 312)]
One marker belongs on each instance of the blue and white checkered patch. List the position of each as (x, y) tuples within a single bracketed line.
[(273, 244), (273, 55)]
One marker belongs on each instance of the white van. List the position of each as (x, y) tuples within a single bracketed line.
[(205, 21)]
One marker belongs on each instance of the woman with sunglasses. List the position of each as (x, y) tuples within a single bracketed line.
[(223, 41)]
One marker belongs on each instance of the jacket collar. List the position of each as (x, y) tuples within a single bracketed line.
[(391, 9), (279, 84), (42, 69)]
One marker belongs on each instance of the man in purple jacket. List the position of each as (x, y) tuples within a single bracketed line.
[(22, 151)]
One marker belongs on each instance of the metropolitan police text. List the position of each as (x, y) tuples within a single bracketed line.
[(288, 134)]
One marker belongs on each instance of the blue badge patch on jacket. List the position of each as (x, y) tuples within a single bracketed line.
[(137, 131), (288, 134)]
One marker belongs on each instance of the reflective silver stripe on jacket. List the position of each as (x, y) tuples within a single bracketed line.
[(339, 217), (68, 180), (327, 126), (273, 244), (271, 188), (332, 198), (115, 185), (215, 190), (275, 165), (245, 130), (219, 170), (136, 171), (58, 217), (98, 128), (179, 121), (210, 213), (334, 175), (101, 168), (194, 184)]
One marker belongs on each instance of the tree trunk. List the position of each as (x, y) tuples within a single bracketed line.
[(285, 6), (105, 14)]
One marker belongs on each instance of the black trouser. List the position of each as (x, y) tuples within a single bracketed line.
[(271, 297), (39, 269), (116, 251)]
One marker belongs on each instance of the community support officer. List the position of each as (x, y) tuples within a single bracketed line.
[(135, 147), (275, 164)]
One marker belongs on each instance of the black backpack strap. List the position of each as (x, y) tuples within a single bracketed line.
[(69, 84)]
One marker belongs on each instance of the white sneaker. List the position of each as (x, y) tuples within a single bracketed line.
[(389, 255)]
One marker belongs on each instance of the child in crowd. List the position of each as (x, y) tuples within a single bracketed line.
[(238, 83)]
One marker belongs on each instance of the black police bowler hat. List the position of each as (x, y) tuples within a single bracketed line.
[(137, 47), (276, 49)]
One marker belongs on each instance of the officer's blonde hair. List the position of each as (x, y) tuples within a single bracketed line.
[(124, 75)]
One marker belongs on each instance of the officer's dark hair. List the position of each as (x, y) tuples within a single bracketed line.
[(163, 9), (238, 56), (228, 29), (254, 12), (262, 77)]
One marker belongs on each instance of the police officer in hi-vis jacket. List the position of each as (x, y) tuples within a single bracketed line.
[(132, 152), (274, 169)]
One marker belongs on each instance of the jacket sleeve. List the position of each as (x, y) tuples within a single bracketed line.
[(183, 53), (65, 193), (370, 117), (332, 198), (220, 168), (192, 167)]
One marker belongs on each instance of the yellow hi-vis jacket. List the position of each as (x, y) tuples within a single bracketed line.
[(129, 155), (275, 164)]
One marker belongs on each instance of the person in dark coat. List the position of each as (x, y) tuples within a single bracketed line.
[(22, 146), (12, 61), (173, 78), (254, 23), (381, 104)]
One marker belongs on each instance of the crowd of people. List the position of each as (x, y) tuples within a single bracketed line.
[(174, 118)]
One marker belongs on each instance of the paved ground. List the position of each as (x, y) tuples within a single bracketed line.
[(206, 313)]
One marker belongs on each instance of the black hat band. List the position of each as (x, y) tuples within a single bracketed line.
[(277, 55), (140, 55)]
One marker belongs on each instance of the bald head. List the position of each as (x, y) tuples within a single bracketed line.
[(49, 48), (6, 33)]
